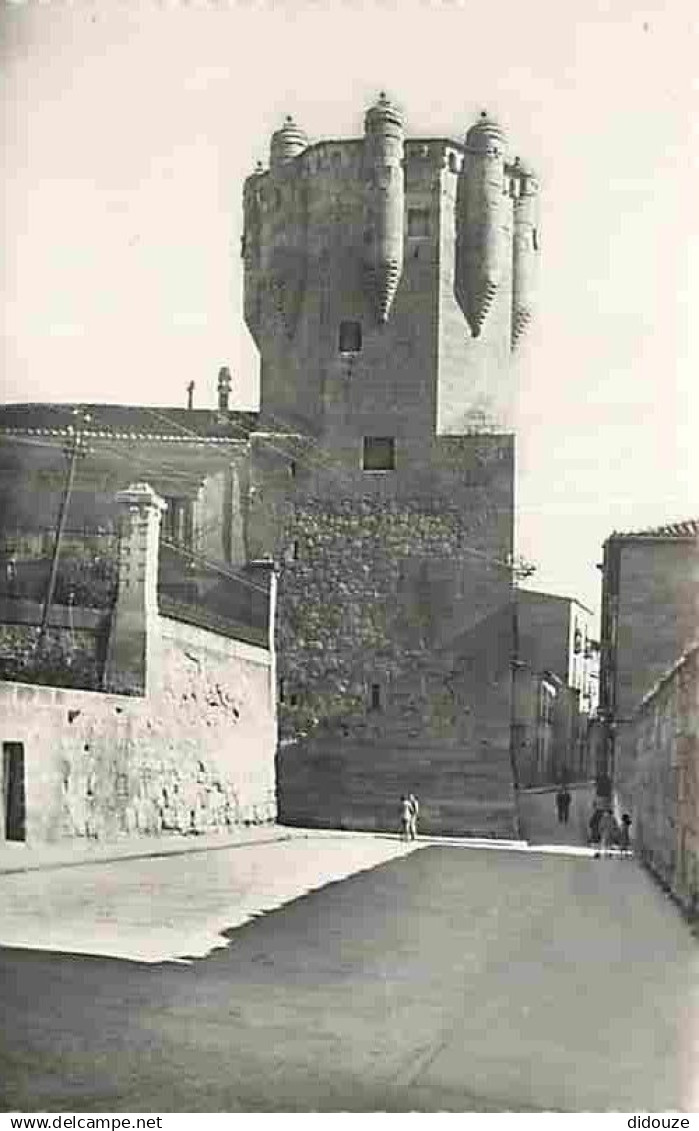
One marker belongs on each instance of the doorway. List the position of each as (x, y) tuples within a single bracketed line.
[(13, 791)]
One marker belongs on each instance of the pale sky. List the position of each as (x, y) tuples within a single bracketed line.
[(128, 130)]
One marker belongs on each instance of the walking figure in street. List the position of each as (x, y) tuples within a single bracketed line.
[(625, 835), (594, 826), (414, 813), (606, 832), (406, 818), (563, 800)]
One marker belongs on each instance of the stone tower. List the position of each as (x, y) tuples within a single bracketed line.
[(387, 282)]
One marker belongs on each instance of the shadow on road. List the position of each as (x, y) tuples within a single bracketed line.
[(442, 980)]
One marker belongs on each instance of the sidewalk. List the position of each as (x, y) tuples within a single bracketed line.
[(16, 857)]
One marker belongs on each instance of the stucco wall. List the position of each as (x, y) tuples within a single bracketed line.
[(196, 754)]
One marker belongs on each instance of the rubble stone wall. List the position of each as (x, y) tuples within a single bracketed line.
[(68, 656), (394, 640), (196, 754), (657, 779)]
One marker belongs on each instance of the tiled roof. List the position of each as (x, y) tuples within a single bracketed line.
[(689, 528), (127, 422)]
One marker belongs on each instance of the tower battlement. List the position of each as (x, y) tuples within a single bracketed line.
[(428, 246)]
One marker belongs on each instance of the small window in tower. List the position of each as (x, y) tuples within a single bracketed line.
[(379, 453), (350, 340), (535, 239), (418, 223), (292, 469), (282, 691), (375, 698)]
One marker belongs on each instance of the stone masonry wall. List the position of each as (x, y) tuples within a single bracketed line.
[(197, 754), (394, 639), (657, 779), (658, 614), (68, 657)]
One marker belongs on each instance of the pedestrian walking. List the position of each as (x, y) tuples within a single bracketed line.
[(406, 817), (414, 814), (606, 832), (563, 804), (594, 826), (625, 835)]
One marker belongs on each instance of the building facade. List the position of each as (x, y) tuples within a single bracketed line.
[(650, 616), (556, 688), (387, 282)]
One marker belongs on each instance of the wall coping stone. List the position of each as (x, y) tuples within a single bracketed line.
[(664, 679)]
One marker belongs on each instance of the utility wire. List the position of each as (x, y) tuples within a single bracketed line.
[(324, 462), (216, 567)]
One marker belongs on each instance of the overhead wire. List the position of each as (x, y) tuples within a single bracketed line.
[(323, 460), (207, 528)]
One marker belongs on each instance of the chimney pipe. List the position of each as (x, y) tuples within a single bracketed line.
[(224, 388)]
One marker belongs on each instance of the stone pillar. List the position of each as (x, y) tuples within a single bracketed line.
[(134, 629)]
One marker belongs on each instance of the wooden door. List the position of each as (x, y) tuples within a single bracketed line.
[(13, 791)]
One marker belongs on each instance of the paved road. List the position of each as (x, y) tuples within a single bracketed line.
[(540, 824), (443, 979)]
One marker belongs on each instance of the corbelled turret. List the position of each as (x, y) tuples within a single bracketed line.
[(287, 143), (483, 221), (525, 251), (287, 214), (383, 230), (384, 269)]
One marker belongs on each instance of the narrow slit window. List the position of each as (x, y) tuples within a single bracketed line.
[(350, 338), (379, 453), (375, 697), (418, 223)]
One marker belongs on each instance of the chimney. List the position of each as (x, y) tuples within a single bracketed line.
[(190, 396), (224, 388)]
